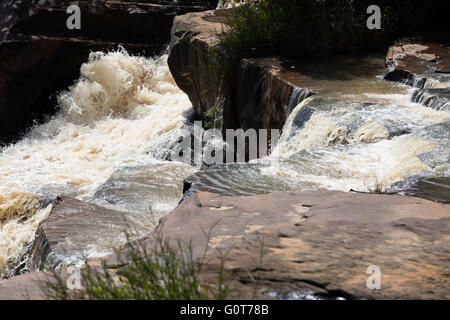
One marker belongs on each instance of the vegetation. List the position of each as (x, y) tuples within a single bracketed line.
[(299, 28), (162, 273), (213, 118)]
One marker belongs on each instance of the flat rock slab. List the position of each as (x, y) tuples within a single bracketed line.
[(23, 287), (320, 242), (418, 64), (151, 191), (32, 286), (76, 230)]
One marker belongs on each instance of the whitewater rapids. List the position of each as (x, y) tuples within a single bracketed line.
[(107, 119), (360, 133)]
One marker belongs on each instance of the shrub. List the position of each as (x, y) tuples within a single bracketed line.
[(162, 273), (299, 28)]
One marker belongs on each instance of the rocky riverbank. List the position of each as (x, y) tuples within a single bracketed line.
[(255, 95), (314, 244), (259, 93), (311, 244)]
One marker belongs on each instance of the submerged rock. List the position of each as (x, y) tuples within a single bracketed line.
[(436, 189), (151, 191), (31, 286)]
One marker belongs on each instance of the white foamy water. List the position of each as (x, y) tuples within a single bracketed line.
[(108, 119), (364, 148), (359, 133), (362, 133), (353, 124)]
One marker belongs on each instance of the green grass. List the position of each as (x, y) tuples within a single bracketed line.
[(164, 272)]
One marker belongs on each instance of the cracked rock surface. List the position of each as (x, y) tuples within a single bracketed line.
[(320, 242)]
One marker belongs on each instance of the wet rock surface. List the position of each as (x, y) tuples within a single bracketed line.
[(76, 230), (39, 55), (255, 95), (307, 245), (321, 242), (416, 64), (438, 99), (436, 189), (425, 66), (151, 190), (263, 98)]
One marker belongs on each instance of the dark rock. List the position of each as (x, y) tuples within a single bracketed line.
[(255, 95), (421, 65), (438, 99), (320, 242), (193, 37), (436, 189), (39, 55), (264, 99)]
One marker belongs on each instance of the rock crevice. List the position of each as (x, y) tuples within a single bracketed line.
[(254, 95)]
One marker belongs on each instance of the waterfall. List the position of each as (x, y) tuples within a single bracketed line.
[(111, 117), (431, 99), (297, 96)]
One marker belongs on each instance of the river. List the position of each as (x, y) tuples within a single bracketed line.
[(360, 133)]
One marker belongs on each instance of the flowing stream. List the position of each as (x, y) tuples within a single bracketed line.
[(109, 119), (359, 133)]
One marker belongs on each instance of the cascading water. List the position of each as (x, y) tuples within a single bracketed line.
[(110, 118), (359, 133), (429, 99), (122, 116)]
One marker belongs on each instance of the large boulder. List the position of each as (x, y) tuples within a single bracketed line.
[(194, 36), (319, 243), (39, 55), (264, 97), (254, 95)]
